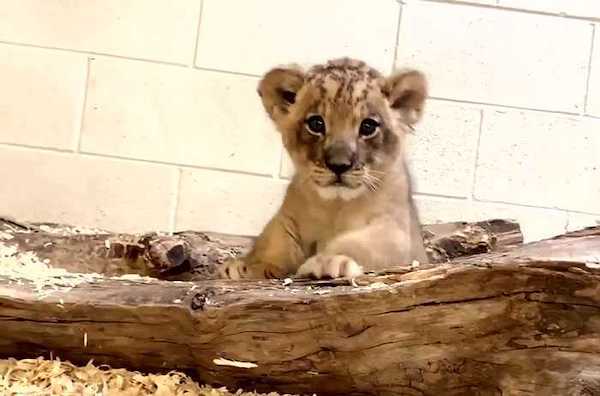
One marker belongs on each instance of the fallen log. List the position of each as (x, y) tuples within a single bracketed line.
[(520, 321), (193, 255)]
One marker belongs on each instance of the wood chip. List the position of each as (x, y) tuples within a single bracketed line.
[(233, 363)]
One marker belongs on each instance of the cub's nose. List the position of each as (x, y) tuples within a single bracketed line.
[(339, 167), (340, 158)]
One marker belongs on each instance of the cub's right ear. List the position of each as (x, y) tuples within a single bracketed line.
[(278, 89), (407, 91)]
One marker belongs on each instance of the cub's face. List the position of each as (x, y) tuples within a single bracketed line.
[(343, 123)]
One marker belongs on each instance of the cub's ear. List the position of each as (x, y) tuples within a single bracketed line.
[(278, 89), (406, 91)]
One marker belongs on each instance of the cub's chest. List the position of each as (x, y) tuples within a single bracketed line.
[(319, 229)]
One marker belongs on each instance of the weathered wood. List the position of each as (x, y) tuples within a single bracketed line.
[(524, 321), (193, 255), (447, 241), (185, 255)]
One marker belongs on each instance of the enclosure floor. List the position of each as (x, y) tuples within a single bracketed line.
[(42, 377)]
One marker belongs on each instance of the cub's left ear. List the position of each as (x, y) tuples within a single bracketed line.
[(406, 91), (278, 89)]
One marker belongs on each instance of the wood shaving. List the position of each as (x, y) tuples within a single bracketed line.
[(592, 265), (26, 266), (19, 266), (288, 281), (68, 230), (41, 377), (135, 277), (233, 363), (6, 236), (377, 285)]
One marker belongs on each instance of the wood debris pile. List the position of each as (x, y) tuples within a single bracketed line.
[(41, 377), (20, 266)]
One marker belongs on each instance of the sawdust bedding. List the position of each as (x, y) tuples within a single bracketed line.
[(42, 377)]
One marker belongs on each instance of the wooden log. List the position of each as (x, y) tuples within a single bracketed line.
[(184, 255), (523, 321), (193, 255)]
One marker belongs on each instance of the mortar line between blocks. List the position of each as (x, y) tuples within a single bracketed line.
[(476, 161), (589, 70), (499, 6), (234, 73), (501, 106), (397, 38), (197, 33), (178, 164), (38, 148), (504, 203), (440, 196), (76, 51), (176, 197), (567, 220), (156, 62), (79, 135), (137, 160), (521, 205), (277, 172)]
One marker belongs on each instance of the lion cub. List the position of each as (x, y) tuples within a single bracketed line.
[(348, 208)]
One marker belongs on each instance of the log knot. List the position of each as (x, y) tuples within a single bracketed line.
[(203, 298)]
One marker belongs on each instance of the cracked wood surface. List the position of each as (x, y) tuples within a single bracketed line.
[(193, 255), (519, 322)]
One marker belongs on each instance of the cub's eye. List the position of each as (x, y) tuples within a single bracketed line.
[(368, 128), (316, 125)]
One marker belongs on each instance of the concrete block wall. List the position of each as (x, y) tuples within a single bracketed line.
[(134, 115)]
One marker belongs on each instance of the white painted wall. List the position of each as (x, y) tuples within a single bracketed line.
[(136, 115)]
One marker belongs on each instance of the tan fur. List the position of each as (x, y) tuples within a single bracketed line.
[(365, 219)]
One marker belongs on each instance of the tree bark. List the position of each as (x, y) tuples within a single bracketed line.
[(514, 322), (193, 255)]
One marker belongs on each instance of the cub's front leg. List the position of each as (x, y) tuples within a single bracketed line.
[(372, 248), (275, 254)]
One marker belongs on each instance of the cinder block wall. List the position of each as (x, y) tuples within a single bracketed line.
[(139, 115)]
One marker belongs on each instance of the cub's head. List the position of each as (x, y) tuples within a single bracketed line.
[(343, 123)]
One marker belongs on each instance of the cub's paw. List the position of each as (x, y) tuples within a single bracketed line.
[(240, 269), (323, 266)]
